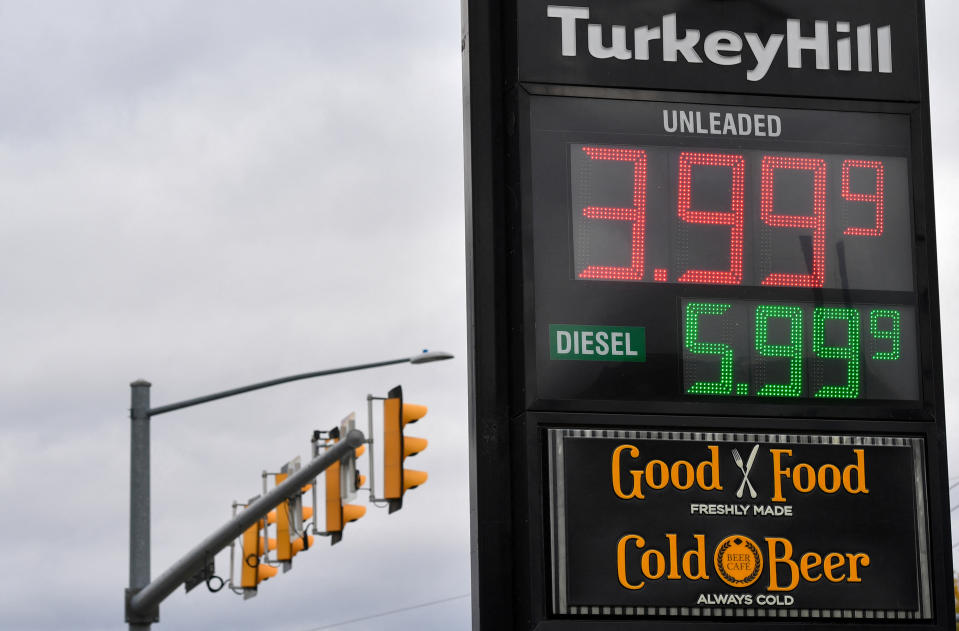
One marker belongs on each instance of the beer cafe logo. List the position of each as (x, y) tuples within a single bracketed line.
[(738, 561)]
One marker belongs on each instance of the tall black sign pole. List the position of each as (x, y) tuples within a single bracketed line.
[(490, 377), (706, 376)]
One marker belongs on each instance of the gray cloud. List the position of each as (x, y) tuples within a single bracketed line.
[(206, 197)]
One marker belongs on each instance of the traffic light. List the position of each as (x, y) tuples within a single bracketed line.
[(342, 482), (291, 517), (256, 544), (397, 447)]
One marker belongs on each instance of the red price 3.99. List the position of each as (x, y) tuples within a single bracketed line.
[(721, 217)]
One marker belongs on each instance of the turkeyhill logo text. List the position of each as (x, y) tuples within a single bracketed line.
[(832, 45)]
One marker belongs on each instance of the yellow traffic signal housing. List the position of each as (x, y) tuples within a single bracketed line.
[(290, 517), (397, 447), (256, 543), (338, 486)]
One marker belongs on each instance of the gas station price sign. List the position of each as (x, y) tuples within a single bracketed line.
[(764, 253), (706, 375)]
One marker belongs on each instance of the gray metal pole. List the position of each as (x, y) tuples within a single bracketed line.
[(150, 597), (139, 499), (372, 457)]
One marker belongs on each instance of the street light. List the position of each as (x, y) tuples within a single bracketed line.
[(143, 598), (429, 356)]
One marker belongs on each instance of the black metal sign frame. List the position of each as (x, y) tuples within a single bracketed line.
[(551, 295), (696, 51)]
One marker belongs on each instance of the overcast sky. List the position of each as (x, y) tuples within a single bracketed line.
[(208, 194)]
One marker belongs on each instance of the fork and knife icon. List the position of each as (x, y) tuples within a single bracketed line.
[(745, 470)]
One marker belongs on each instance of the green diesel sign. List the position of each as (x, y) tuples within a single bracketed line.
[(597, 343)]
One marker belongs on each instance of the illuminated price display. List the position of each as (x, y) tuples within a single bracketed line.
[(749, 348), (721, 217), (766, 254)]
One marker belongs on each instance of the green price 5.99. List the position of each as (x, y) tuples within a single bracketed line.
[(801, 350)]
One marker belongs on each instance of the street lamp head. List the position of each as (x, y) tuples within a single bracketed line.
[(429, 356)]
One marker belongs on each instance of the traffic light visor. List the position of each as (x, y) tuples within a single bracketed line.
[(413, 412)]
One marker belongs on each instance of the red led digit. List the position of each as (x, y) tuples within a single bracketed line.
[(815, 222), (876, 197), (636, 214), (733, 218)]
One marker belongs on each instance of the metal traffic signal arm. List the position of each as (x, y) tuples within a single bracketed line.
[(142, 606)]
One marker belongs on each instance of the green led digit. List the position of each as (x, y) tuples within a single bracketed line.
[(849, 351), (791, 351), (894, 334), (693, 345)]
